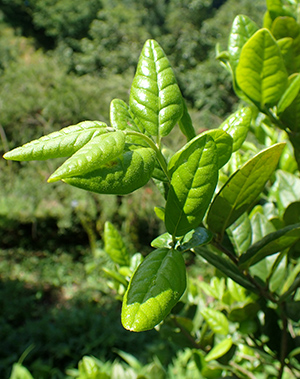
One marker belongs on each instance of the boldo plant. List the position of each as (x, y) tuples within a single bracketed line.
[(220, 193)]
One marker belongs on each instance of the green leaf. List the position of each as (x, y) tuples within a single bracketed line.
[(164, 240), (196, 237), (155, 97), (240, 234), (242, 189), (58, 144), (219, 350), (20, 372), (194, 173), (285, 27), (216, 320), (289, 95), (271, 244), (223, 143), (160, 213), (237, 125), (114, 245), (261, 73), (116, 276), (276, 9), (260, 226), (215, 288), (121, 117), (242, 29), (226, 267), (236, 291), (154, 289), (96, 153), (186, 124), (121, 176)]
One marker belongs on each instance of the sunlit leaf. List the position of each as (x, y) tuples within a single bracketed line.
[(216, 320), (219, 350), (114, 245)]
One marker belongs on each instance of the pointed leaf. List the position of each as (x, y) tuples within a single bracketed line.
[(240, 234), (186, 124), (96, 153), (242, 189), (216, 320), (58, 144), (122, 118), (194, 173), (121, 176), (155, 97), (164, 240), (261, 73), (242, 29), (219, 350), (115, 276), (289, 95), (226, 267), (237, 125), (154, 289), (272, 243), (114, 245)]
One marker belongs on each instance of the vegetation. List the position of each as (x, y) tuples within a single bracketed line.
[(230, 206)]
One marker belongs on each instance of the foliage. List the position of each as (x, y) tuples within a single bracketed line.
[(220, 204)]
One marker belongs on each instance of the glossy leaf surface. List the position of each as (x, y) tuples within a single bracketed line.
[(242, 189), (194, 171), (96, 153), (155, 97), (242, 29), (114, 245), (155, 287), (121, 117), (59, 144), (223, 143), (261, 73), (237, 126), (196, 237), (121, 176)]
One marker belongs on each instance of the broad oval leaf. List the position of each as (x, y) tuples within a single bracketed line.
[(242, 29), (223, 142), (114, 245), (154, 289), (216, 320), (59, 144), (219, 350), (272, 243), (96, 153), (194, 171), (285, 27), (261, 73), (155, 97), (237, 125), (242, 189), (121, 176)]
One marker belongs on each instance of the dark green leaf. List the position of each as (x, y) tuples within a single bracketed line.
[(155, 287), (289, 95)]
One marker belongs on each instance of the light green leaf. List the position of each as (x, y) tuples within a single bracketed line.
[(96, 153), (154, 289), (155, 98), (160, 213), (219, 350), (237, 292), (194, 173), (290, 115), (196, 237), (223, 143), (237, 125), (114, 245), (115, 276), (276, 8), (226, 267), (121, 176), (216, 320), (58, 144), (164, 240), (285, 27), (289, 95), (272, 243), (286, 49), (215, 288), (278, 274), (260, 226), (242, 29), (240, 234), (261, 73), (242, 189), (20, 372), (122, 118)]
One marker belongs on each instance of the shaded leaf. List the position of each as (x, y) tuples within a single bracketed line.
[(196, 237), (59, 144), (240, 234), (155, 98), (114, 245), (261, 73), (155, 287), (289, 95), (194, 177), (186, 124), (242, 189)]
